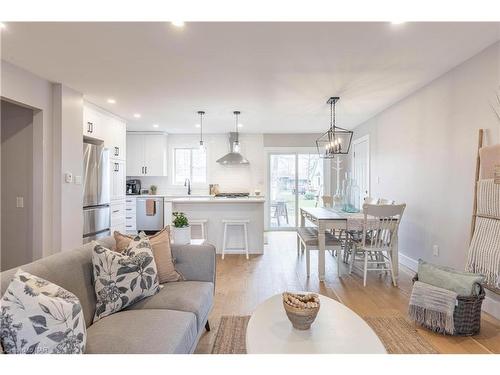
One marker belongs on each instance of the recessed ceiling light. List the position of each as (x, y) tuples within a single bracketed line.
[(240, 125), (111, 101), (2, 25), (397, 22), (156, 126), (137, 115), (178, 23), (197, 126)]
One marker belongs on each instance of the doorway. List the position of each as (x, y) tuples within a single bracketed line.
[(296, 180), (361, 166), (16, 185)]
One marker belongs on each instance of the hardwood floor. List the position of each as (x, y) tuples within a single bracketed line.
[(243, 284)]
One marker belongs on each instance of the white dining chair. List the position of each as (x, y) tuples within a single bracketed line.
[(307, 240), (370, 200), (385, 201), (380, 229)]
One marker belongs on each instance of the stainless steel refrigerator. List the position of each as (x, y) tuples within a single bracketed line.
[(96, 194)]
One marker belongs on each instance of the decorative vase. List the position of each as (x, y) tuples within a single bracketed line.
[(182, 236), (351, 197)]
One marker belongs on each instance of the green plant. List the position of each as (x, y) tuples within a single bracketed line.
[(180, 220), (153, 189), (309, 196)]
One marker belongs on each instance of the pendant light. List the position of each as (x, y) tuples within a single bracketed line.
[(202, 144), (236, 143), (336, 141)]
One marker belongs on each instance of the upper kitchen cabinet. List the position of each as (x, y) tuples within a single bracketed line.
[(93, 122), (115, 138), (146, 154)]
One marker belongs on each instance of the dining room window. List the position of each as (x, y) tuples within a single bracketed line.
[(190, 163)]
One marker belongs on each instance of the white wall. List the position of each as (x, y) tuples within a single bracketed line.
[(245, 178), (423, 153), (27, 89), (57, 128), (68, 120)]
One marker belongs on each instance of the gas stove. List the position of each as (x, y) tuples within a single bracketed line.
[(232, 195)]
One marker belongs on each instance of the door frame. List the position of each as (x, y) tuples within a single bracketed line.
[(364, 138), (291, 151)]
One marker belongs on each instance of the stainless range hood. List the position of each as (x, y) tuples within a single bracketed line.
[(233, 157)]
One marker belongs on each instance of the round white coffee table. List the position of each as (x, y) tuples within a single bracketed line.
[(337, 329)]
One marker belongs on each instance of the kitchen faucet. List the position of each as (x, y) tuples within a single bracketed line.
[(187, 183)]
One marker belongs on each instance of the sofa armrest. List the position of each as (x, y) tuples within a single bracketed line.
[(195, 262)]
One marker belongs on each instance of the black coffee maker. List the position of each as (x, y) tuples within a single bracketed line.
[(133, 187)]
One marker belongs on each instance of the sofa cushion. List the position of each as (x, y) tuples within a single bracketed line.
[(143, 332), (38, 316), (191, 296), (71, 270), (123, 279), (160, 243)]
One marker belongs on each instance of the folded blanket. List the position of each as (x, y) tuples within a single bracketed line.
[(432, 307)]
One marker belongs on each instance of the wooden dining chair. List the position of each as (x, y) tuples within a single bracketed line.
[(380, 229)]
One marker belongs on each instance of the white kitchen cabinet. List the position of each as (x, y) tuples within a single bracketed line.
[(118, 216), (146, 154), (118, 179), (115, 138), (93, 122), (130, 215)]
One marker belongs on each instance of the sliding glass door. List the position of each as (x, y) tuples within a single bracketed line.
[(295, 181)]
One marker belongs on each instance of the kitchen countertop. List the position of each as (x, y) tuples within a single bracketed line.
[(218, 200), (189, 198)]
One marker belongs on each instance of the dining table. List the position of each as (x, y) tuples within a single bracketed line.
[(325, 219)]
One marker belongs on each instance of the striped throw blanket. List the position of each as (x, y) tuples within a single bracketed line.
[(484, 250), (432, 307)]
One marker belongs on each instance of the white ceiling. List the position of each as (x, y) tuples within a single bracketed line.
[(279, 75)]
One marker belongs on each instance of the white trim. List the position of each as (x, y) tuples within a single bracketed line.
[(405, 260), (365, 138), (491, 303)]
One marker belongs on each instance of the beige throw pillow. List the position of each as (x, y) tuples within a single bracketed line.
[(160, 242)]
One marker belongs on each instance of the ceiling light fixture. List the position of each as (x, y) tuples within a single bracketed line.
[(240, 125), (236, 143), (202, 145), (197, 126), (156, 126), (3, 26), (137, 115), (397, 22), (111, 101), (178, 23), (336, 141)]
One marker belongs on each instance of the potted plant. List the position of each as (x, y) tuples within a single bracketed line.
[(153, 189), (182, 230)]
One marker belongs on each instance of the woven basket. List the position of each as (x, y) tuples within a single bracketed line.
[(467, 314)]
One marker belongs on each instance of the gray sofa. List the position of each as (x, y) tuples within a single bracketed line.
[(171, 321)]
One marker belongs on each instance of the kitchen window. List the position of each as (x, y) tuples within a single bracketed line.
[(190, 163)]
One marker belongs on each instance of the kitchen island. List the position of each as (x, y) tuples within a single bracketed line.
[(214, 210)]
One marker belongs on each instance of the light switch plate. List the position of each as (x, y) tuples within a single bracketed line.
[(68, 177), (19, 202), (78, 180)]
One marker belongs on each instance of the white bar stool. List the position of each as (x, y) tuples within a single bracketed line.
[(202, 223), (237, 222)]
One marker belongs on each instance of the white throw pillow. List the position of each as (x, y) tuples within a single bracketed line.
[(38, 316), (122, 279)]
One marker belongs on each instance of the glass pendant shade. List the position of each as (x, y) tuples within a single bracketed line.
[(336, 140), (202, 144)]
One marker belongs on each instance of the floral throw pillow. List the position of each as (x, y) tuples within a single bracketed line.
[(38, 316), (122, 279)]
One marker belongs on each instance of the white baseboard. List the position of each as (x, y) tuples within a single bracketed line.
[(491, 303), (408, 262)]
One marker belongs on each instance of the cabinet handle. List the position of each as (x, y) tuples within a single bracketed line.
[(117, 151), (89, 127), (118, 167), (129, 209), (115, 211), (146, 169)]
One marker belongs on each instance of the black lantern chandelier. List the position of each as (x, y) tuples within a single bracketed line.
[(336, 141), (202, 144)]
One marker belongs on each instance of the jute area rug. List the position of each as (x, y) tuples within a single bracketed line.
[(397, 335)]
